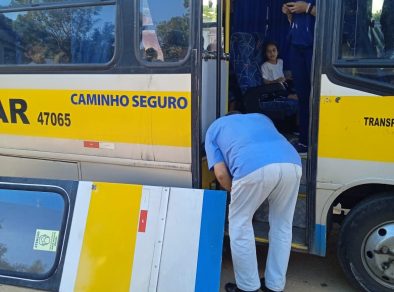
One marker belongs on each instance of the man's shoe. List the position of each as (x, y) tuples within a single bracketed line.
[(231, 287), (265, 289)]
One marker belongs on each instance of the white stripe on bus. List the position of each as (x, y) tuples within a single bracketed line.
[(330, 89), (75, 239), (118, 82)]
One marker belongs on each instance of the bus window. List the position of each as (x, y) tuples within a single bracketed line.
[(209, 28), (19, 3), (30, 232), (367, 29), (164, 30), (384, 75), (72, 35), (367, 36)]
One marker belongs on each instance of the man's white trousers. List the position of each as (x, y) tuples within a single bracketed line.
[(279, 183)]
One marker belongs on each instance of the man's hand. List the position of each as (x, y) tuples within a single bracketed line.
[(223, 176), (297, 7), (285, 9)]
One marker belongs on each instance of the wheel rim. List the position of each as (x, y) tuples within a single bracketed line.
[(378, 254)]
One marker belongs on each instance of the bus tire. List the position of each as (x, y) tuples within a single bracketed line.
[(366, 244)]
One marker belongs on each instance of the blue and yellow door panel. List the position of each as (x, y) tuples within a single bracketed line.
[(119, 237)]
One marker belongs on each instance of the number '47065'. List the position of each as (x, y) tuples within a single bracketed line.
[(54, 119)]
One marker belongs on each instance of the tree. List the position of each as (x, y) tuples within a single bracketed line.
[(65, 34), (37, 267), (4, 265), (174, 37), (209, 13), (376, 15)]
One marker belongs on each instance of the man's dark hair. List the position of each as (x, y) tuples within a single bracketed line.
[(232, 113)]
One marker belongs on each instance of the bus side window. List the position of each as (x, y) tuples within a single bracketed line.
[(387, 24), (164, 30), (358, 36), (368, 29), (368, 34), (209, 28), (31, 232), (62, 33)]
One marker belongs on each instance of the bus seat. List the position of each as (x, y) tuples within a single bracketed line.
[(272, 100), (260, 40), (243, 61)]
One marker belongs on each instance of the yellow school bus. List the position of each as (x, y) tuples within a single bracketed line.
[(124, 91)]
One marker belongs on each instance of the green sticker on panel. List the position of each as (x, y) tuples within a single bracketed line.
[(46, 240)]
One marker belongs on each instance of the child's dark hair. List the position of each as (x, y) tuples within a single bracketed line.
[(270, 43)]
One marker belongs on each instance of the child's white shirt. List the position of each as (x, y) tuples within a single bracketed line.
[(272, 71)]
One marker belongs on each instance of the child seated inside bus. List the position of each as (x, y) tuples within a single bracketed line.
[(272, 69)]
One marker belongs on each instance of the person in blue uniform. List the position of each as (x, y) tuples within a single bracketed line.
[(253, 161), (301, 15)]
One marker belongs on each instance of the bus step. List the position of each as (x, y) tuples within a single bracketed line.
[(299, 235), (299, 221)]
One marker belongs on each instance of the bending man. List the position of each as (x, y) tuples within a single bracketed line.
[(255, 162)]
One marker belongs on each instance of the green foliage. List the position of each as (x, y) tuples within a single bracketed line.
[(174, 37), (58, 35), (209, 14), (376, 15), (54, 28), (45, 28), (4, 265), (37, 266)]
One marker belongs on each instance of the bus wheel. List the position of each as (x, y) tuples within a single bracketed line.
[(366, 244)]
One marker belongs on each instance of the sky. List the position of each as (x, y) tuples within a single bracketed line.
[(32, 198), (377, 5)]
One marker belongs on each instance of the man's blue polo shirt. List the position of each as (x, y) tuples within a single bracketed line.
[(245, 143)]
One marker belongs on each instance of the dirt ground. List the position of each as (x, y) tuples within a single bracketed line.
[(306, 273)]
